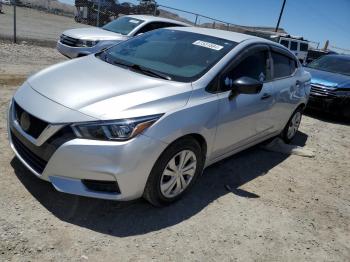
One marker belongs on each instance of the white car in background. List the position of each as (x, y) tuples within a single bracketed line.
[(298, 46), (84, 41), (6, 2)]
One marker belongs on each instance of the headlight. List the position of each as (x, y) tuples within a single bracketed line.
[(118, 130), (86, 43)]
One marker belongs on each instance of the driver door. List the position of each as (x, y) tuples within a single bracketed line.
[(244, 118)]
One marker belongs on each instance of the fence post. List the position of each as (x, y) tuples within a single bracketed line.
[(14, 22), (98, 13), (195, 22)]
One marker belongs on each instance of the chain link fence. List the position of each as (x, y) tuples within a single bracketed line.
[(43, 21), (36, 21)]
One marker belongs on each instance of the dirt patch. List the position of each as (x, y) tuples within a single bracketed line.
[(12, 80), (19, 60)]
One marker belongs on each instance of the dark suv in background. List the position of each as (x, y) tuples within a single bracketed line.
[(330, 84)]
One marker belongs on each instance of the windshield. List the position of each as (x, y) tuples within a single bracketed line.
[(183, 56), (123, 25), (332, 63)]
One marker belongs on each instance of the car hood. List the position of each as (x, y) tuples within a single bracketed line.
[(93, 33), (328, 79), (106, 91)]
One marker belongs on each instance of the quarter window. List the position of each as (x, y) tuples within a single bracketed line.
[(255, 66), (283, 66)]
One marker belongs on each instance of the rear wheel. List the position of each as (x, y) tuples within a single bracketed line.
[(292, 126), (175, 172)]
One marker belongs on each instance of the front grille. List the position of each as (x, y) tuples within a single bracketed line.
[(38, 156), (28, 156), (36, 126), (322, 91), (70, 41)]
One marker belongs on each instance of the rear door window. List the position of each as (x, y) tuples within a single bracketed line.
[(283, 66)]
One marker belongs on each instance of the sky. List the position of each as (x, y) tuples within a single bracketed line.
[(315, 20)]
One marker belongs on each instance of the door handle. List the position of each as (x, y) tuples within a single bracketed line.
[(265, 96)]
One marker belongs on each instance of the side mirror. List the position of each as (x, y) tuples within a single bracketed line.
[(247, 85)]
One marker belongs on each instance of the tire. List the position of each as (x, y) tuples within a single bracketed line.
[(294, 121), (158, 180)]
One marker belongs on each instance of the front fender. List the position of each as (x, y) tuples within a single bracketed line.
[(198, 117)]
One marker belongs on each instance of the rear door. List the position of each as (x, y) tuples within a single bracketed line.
[(245, 117), (286, 85)]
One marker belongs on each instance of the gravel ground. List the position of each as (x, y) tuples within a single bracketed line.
[(34, 25), (280, 208)]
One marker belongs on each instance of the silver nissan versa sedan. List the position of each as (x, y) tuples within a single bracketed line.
[(145, 117), (84, 41)]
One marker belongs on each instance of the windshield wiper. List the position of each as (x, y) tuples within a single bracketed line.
[(142, 69), (150, 72)]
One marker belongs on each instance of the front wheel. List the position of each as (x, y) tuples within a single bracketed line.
[(175, 172), (292, 126)]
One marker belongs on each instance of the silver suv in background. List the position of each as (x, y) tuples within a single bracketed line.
[(84, 41), (146, 116)]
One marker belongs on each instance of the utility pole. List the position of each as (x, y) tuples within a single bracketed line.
[(14, 21), (326, 45), (98, 13), (281, 13)]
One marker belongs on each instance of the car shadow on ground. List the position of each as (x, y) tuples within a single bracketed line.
[(138, 217)]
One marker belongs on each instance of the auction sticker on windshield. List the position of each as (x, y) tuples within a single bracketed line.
[(208, 45)]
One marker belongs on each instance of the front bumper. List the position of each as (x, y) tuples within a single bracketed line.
[(73, 52), (127, 163), (329, 104)]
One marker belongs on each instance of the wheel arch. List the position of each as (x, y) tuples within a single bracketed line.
[(302, 106), (198, 138)]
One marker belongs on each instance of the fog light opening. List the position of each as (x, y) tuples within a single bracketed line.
[(101, 186)]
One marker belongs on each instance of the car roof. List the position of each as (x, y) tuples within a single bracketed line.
[(228, 35), (151, 18)]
